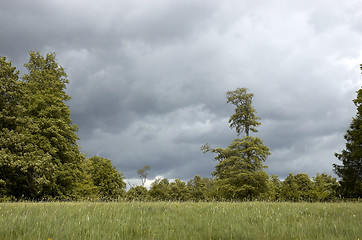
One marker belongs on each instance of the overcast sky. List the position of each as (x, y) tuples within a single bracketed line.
[(148, 78)]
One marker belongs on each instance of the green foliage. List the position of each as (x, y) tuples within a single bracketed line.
[(239, 172), (197, 189), (105, 181), (300, 187), (54, 133), (242, 185), (201, 189), (160, 190), (25, 170), (179, 191), (85, 189), (324, 188), (11, 93), (350, 171), (244, 119), (137, 193), (274, 188), (39, 154), (246, 154), (296, 187)]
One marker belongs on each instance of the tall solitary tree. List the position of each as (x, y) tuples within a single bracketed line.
[(143, 173), (240, 171), (350, 171)]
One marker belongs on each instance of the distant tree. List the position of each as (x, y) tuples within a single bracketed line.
[(240, 171), (179, 191), (137, 193), (201, 189), (324, 188), (143, 173), (107, 180), (160, 190), (274, 188), (296, 187), (290, 189), (350, 171)]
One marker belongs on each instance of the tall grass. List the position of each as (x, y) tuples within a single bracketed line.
[(172, 220)]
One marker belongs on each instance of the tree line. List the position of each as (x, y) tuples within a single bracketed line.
[(297, 187), (40, 158)]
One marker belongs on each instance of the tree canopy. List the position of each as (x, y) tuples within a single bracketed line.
[(350, 171), (244, 118)]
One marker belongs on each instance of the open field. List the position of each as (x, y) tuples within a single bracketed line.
[(173, 220)]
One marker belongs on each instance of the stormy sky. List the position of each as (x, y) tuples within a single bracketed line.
[(148, 78)]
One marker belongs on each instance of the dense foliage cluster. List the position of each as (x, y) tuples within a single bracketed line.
[(39, 154), (40, 158)]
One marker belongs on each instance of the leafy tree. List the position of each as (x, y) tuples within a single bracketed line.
[(85, 188), (107, 181), (274, 188), (160, 190), (179, 191), (143, 173), (244, 118), (350, 171), (45, 103), (25, 170), (201, 189), (324, 188), (289, 189), (239, 172), (137, 193), (296, 187), (304, 184)]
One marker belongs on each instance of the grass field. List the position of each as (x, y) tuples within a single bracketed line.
[(172, 220)]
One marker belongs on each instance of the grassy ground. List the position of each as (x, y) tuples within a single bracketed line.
[(169, 220)]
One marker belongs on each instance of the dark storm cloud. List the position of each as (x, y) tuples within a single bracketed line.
[(148, 79)]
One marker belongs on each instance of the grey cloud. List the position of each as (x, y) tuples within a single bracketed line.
[(148, 80)]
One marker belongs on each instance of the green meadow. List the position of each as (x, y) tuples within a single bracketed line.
[(180, 220)]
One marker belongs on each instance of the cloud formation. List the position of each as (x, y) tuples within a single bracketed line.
[(148, 79)]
